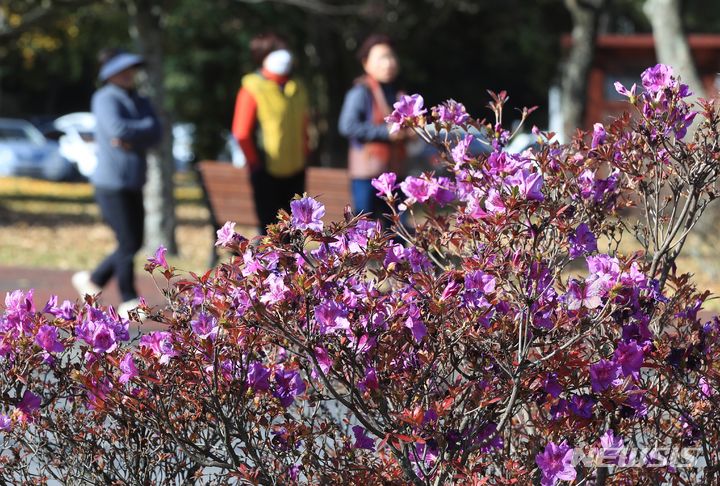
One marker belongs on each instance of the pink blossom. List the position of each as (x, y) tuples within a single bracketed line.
[(603, 375), (226, 234), (405, 110), (417, 189), (128, 368), (331, 317), (29, 403), (160, 343), (277, 290), (599, 135), (47, 338), (460, 151), (657, 78), (630, 357), (529, 184), (159, 258), (307, 214), (205, 325), (385, 184), (555, 462), (362, 441), (5, 422)]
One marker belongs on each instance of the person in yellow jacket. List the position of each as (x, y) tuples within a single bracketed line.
[(270, 124)]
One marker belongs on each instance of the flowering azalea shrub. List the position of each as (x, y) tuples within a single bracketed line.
[(503, 339)]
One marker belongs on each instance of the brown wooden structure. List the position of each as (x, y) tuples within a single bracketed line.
[(230, 198), (229, 194), (623, 57)]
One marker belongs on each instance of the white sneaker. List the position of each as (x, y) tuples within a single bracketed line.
[(124, 309), (84, 286)]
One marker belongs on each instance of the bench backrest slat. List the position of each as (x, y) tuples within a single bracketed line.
[(229, 191)]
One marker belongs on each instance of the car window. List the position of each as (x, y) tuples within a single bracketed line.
[(20, 133)]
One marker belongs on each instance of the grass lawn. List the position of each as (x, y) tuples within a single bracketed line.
[(57, 225)]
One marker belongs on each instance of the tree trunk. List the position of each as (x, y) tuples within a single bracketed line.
[(160, 222), (671, 45), (579, 60), (672, 48)]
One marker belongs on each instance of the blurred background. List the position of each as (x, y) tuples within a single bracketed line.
[(561, 55)]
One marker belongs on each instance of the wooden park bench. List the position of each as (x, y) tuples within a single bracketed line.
[(229, 193)]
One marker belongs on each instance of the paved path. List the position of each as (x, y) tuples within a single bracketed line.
[(57, 282)]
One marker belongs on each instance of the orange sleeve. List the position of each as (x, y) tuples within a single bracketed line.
[(243, 126)]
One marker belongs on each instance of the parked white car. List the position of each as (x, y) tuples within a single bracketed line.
[(77, 142), (24, 151)]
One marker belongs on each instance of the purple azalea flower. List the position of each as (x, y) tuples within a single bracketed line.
[(369, 381), (307, 214), (484, 434), (258, 377), (559, 409), (5, 422), (494, 202), (580, 295), (451, 112), (288, 385), (426, 452), (362, 441), (555, 462), (159, 258), (418, 261), (582, 241), (635, 400), (417, 189), (630, 358), (603, 374), (552, 386), (277, 290), (459, 152), (529, 184), (324, 361), (395, 254), (160, 343), (657, 78), (128, 368), (331, 317), (444, 192), (705, 388), (47, 339), (101, 331), (103, 339), (479, 280), (407, 108), (599, 135), (226, 234), (29, 403), (205, 326), (582, 406), (623, 91), (385, 184), (417, 327)]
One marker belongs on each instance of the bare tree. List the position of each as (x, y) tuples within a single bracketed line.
[(671, 45), (146, 29), (585, 14)]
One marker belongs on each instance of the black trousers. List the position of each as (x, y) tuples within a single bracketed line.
[(272, 193), (123, 210)]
